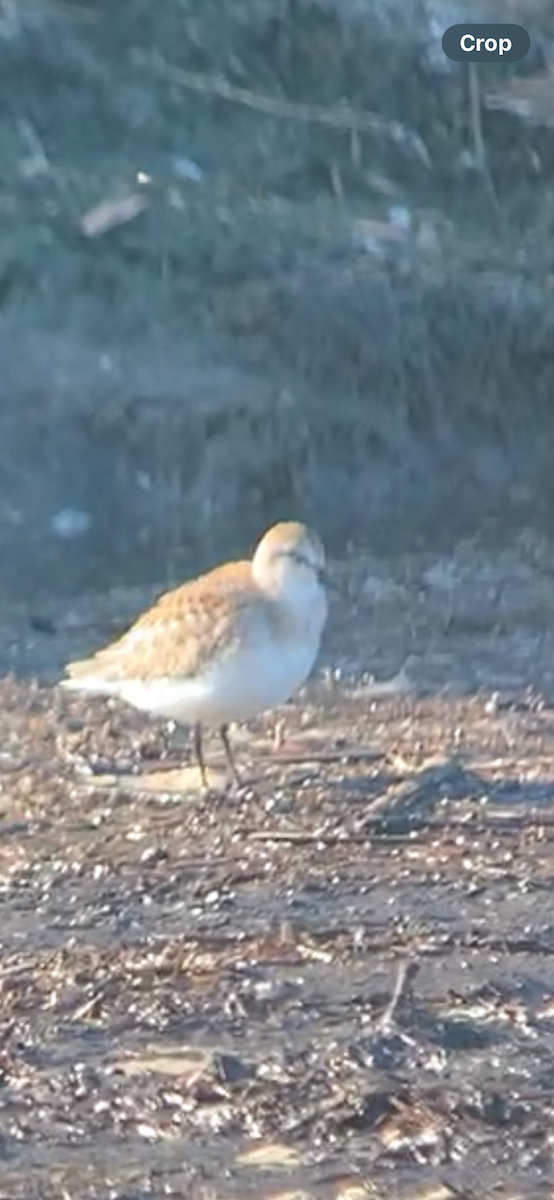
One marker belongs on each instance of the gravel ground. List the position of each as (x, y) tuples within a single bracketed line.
[(336, 983)]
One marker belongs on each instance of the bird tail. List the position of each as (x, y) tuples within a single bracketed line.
[(84, 676)]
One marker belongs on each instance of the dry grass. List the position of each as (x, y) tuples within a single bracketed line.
[(283, 229)]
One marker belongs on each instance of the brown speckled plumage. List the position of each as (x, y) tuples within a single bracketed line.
[(226, 645), (183, 630)]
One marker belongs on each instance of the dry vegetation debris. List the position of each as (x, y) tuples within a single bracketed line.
[(335, 983)]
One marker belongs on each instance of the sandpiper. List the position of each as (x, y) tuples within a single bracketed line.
[(224, 647)]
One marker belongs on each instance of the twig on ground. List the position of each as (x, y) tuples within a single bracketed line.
[(476, 125), (340, 116), (407, 971)]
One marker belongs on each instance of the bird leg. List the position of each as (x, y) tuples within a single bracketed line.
[(224, 735), (199, 752)]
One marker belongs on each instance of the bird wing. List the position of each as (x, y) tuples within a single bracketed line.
[(181, 634)]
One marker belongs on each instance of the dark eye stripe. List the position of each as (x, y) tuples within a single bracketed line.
[(308, 563), (301, 558)]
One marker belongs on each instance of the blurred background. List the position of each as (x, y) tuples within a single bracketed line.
[(265, 259)]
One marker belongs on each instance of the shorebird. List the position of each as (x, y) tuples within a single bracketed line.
[(224, 647)]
